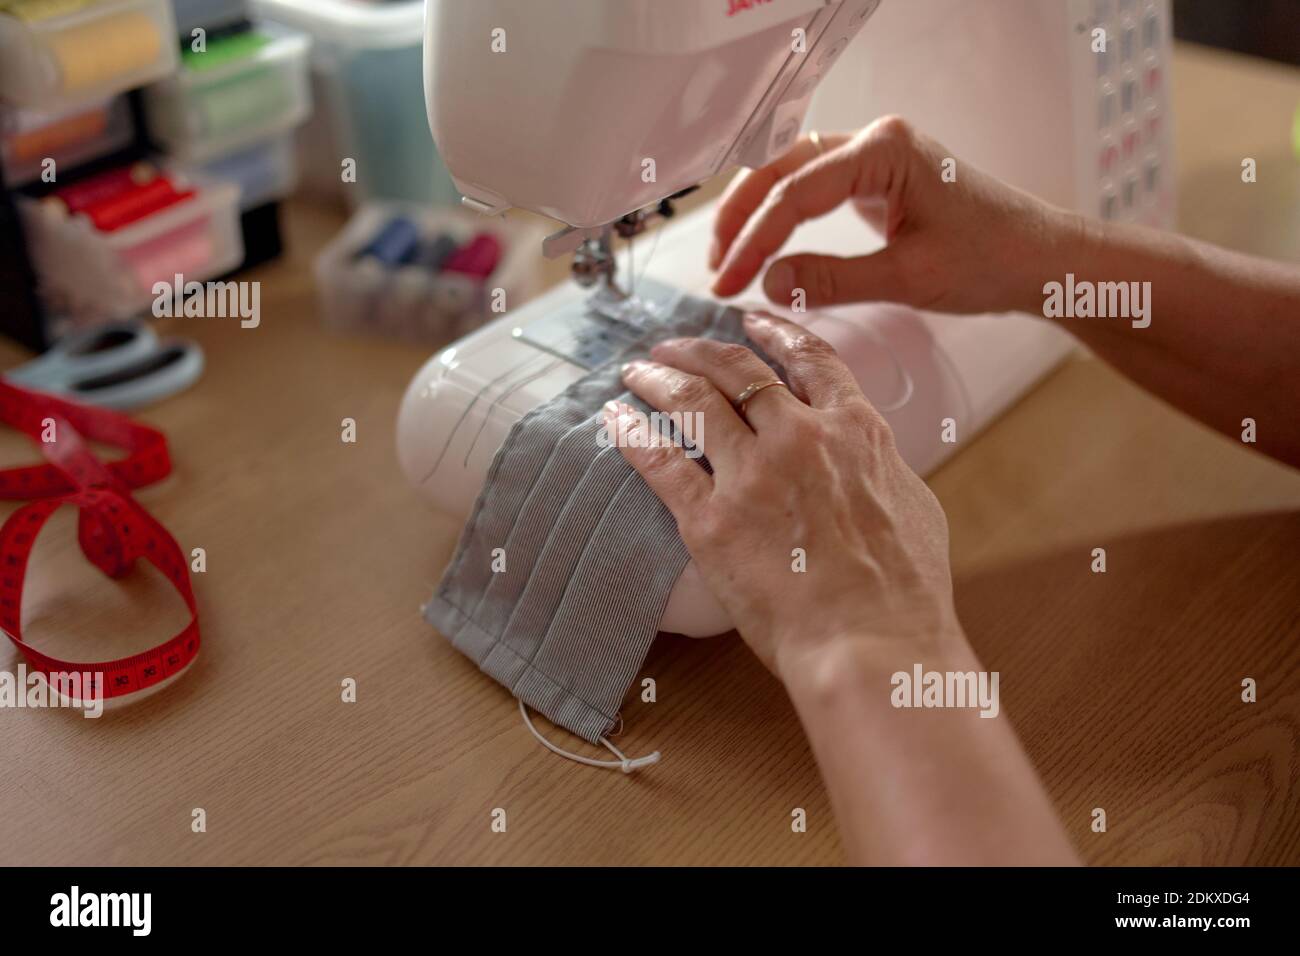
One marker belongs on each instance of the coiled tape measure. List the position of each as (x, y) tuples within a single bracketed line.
[(113, 529)]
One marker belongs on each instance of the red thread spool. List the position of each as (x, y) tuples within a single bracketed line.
[(135, 204), (81, 195), (478, 258)]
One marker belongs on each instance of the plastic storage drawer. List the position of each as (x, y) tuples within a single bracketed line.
[(69, 137), (216, 107), (265, 172), (208, 14), (93, 275), (87, 53)]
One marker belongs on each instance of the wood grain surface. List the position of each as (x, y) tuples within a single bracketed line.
[(1124, 687)]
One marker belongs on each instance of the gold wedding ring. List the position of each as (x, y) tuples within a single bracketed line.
[(745, 397)]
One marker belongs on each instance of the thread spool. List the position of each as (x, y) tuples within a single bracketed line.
[(406, 297), (92, 53), (477, 259), (183, 251), (223, 48), (30, 11), (433, 255), (454, 295), (34, 145), (135, 204), (394, 244), (79, 196)]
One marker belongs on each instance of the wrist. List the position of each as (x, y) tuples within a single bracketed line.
[(1058, 243), (855, 658)]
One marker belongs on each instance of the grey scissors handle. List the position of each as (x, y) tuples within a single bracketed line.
[(93, 352), (121, 365)]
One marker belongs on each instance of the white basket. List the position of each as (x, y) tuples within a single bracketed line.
[(410, 302)]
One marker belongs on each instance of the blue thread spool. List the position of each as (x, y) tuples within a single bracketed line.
[(393, 245)]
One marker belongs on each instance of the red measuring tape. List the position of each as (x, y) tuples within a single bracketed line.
[(112, 527)]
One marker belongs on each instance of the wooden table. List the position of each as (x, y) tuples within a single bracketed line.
[(1124, 686)]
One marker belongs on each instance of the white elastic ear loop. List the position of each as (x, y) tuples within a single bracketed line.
[(622, 763)]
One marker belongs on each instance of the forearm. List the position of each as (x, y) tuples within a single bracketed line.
[(919, 786), (1223, 340)]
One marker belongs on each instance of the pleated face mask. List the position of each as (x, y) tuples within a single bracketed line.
[(563, 571)]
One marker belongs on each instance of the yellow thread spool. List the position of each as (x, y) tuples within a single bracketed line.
[(91, 53), (33, 10)]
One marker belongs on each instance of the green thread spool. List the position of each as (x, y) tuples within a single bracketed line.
[(223, 50)]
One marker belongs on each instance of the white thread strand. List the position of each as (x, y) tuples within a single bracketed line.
[(654, 244), (622, 763)]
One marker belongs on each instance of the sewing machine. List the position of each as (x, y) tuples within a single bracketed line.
[(598, 115)]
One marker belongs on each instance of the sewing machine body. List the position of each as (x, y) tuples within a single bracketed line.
[(921, 370), (563, 119), (585, 110)]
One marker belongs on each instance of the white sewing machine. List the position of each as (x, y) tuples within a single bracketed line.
[(582, 93)]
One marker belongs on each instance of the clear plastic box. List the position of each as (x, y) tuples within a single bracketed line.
[(265, 171), (367, 76), (410, 302), (208, 14), (93, 275), (70, 137), (86, 54), (208, 111)]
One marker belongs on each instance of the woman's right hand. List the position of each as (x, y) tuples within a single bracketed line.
[(831, 556), (810, 529), (964, 242)]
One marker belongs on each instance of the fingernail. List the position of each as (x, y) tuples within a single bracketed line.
[(715, 253), (779, 282), (610, 409)]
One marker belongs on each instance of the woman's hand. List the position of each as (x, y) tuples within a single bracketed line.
[(832, 558), (811, 530), (958, 243)]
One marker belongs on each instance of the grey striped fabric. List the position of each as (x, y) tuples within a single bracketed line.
[(591, 554)]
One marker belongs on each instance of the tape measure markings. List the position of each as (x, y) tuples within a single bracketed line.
[(113, 529)]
